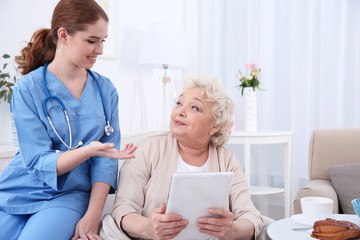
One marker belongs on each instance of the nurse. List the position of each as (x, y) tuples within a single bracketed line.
[(57, 184)]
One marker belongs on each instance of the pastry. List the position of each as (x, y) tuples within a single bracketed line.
[(331, 229)]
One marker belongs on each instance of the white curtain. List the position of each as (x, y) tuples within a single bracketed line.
[(309, 52)]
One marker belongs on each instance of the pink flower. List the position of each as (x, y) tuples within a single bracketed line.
[(252, 66), (247, 66), (257, 65), (253, 73), (249, 77)]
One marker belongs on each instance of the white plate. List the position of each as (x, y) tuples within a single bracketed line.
[(300, 218)]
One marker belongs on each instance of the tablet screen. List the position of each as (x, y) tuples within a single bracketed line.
[(192, 194)]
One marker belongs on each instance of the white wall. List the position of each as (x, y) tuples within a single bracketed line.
[(128, 22)]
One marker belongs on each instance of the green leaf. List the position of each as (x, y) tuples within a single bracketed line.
[(260, 89), (5, 75), (6, 56), (2, 93)]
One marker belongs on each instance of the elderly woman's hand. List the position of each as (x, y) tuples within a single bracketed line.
[(219, 227), (165, 226)]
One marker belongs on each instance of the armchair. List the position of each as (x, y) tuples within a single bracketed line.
[(328, 148)]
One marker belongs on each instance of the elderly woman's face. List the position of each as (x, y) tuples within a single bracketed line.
[(192, 116)]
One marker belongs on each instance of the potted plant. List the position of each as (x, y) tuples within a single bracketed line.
[(7, 79)]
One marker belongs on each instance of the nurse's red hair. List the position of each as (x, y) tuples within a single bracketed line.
[(73, 15)]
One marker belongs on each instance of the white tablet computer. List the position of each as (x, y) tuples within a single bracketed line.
[(192, 194)]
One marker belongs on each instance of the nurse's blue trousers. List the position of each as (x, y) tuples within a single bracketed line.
[(56, 223)]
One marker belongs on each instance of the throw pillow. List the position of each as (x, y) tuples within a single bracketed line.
[(346, 181)]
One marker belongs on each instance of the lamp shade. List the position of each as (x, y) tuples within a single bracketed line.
[(164, 44)]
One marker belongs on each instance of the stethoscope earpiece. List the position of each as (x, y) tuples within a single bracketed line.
[(108, 129)]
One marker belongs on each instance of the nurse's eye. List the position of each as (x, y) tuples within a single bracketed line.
[(103, 41), (178, 103), (90, 41)]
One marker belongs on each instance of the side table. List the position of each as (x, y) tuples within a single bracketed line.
[(266, 137)]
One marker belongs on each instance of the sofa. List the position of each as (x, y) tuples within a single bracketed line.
[(333, 168)]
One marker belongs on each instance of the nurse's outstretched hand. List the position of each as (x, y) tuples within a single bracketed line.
[(108, 150)]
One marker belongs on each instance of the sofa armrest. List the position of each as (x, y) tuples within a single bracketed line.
[(316, 188)]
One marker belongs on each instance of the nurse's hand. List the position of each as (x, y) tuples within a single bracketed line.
[(87, 229), (71, 159), (108, 150), (165, 226)]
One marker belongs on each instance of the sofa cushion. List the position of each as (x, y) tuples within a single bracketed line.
[(346, 181)]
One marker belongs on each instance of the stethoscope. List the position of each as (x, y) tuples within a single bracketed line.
[(108, 129)]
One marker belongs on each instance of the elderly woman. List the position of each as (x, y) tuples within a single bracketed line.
[(200, 126)]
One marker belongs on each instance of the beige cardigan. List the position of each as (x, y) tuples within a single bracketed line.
[(144, 181)]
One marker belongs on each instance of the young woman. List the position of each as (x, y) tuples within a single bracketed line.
[(68, 130)]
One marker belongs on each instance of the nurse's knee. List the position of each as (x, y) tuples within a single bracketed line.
[(51, 223)]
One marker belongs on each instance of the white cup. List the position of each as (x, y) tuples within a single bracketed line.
[(316, 208)]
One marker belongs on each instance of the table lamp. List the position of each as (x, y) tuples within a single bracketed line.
[(164, 48)]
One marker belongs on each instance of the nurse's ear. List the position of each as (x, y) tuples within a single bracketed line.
[(62, 34)]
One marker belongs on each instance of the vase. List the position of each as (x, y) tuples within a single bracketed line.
[(250, 109)]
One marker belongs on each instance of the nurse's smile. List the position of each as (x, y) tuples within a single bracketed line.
[(92, 59)]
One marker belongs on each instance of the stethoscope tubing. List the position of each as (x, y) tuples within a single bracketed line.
[(108, 128)]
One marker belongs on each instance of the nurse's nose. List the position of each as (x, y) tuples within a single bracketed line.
[(99, 48)]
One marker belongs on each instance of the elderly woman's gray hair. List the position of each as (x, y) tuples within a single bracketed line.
[(223, 107)]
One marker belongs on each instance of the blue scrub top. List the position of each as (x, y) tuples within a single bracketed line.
[(30, 182)]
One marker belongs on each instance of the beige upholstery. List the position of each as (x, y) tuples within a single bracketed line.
[(328, 147)]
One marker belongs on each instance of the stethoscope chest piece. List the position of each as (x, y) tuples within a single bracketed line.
[(108, 129)]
